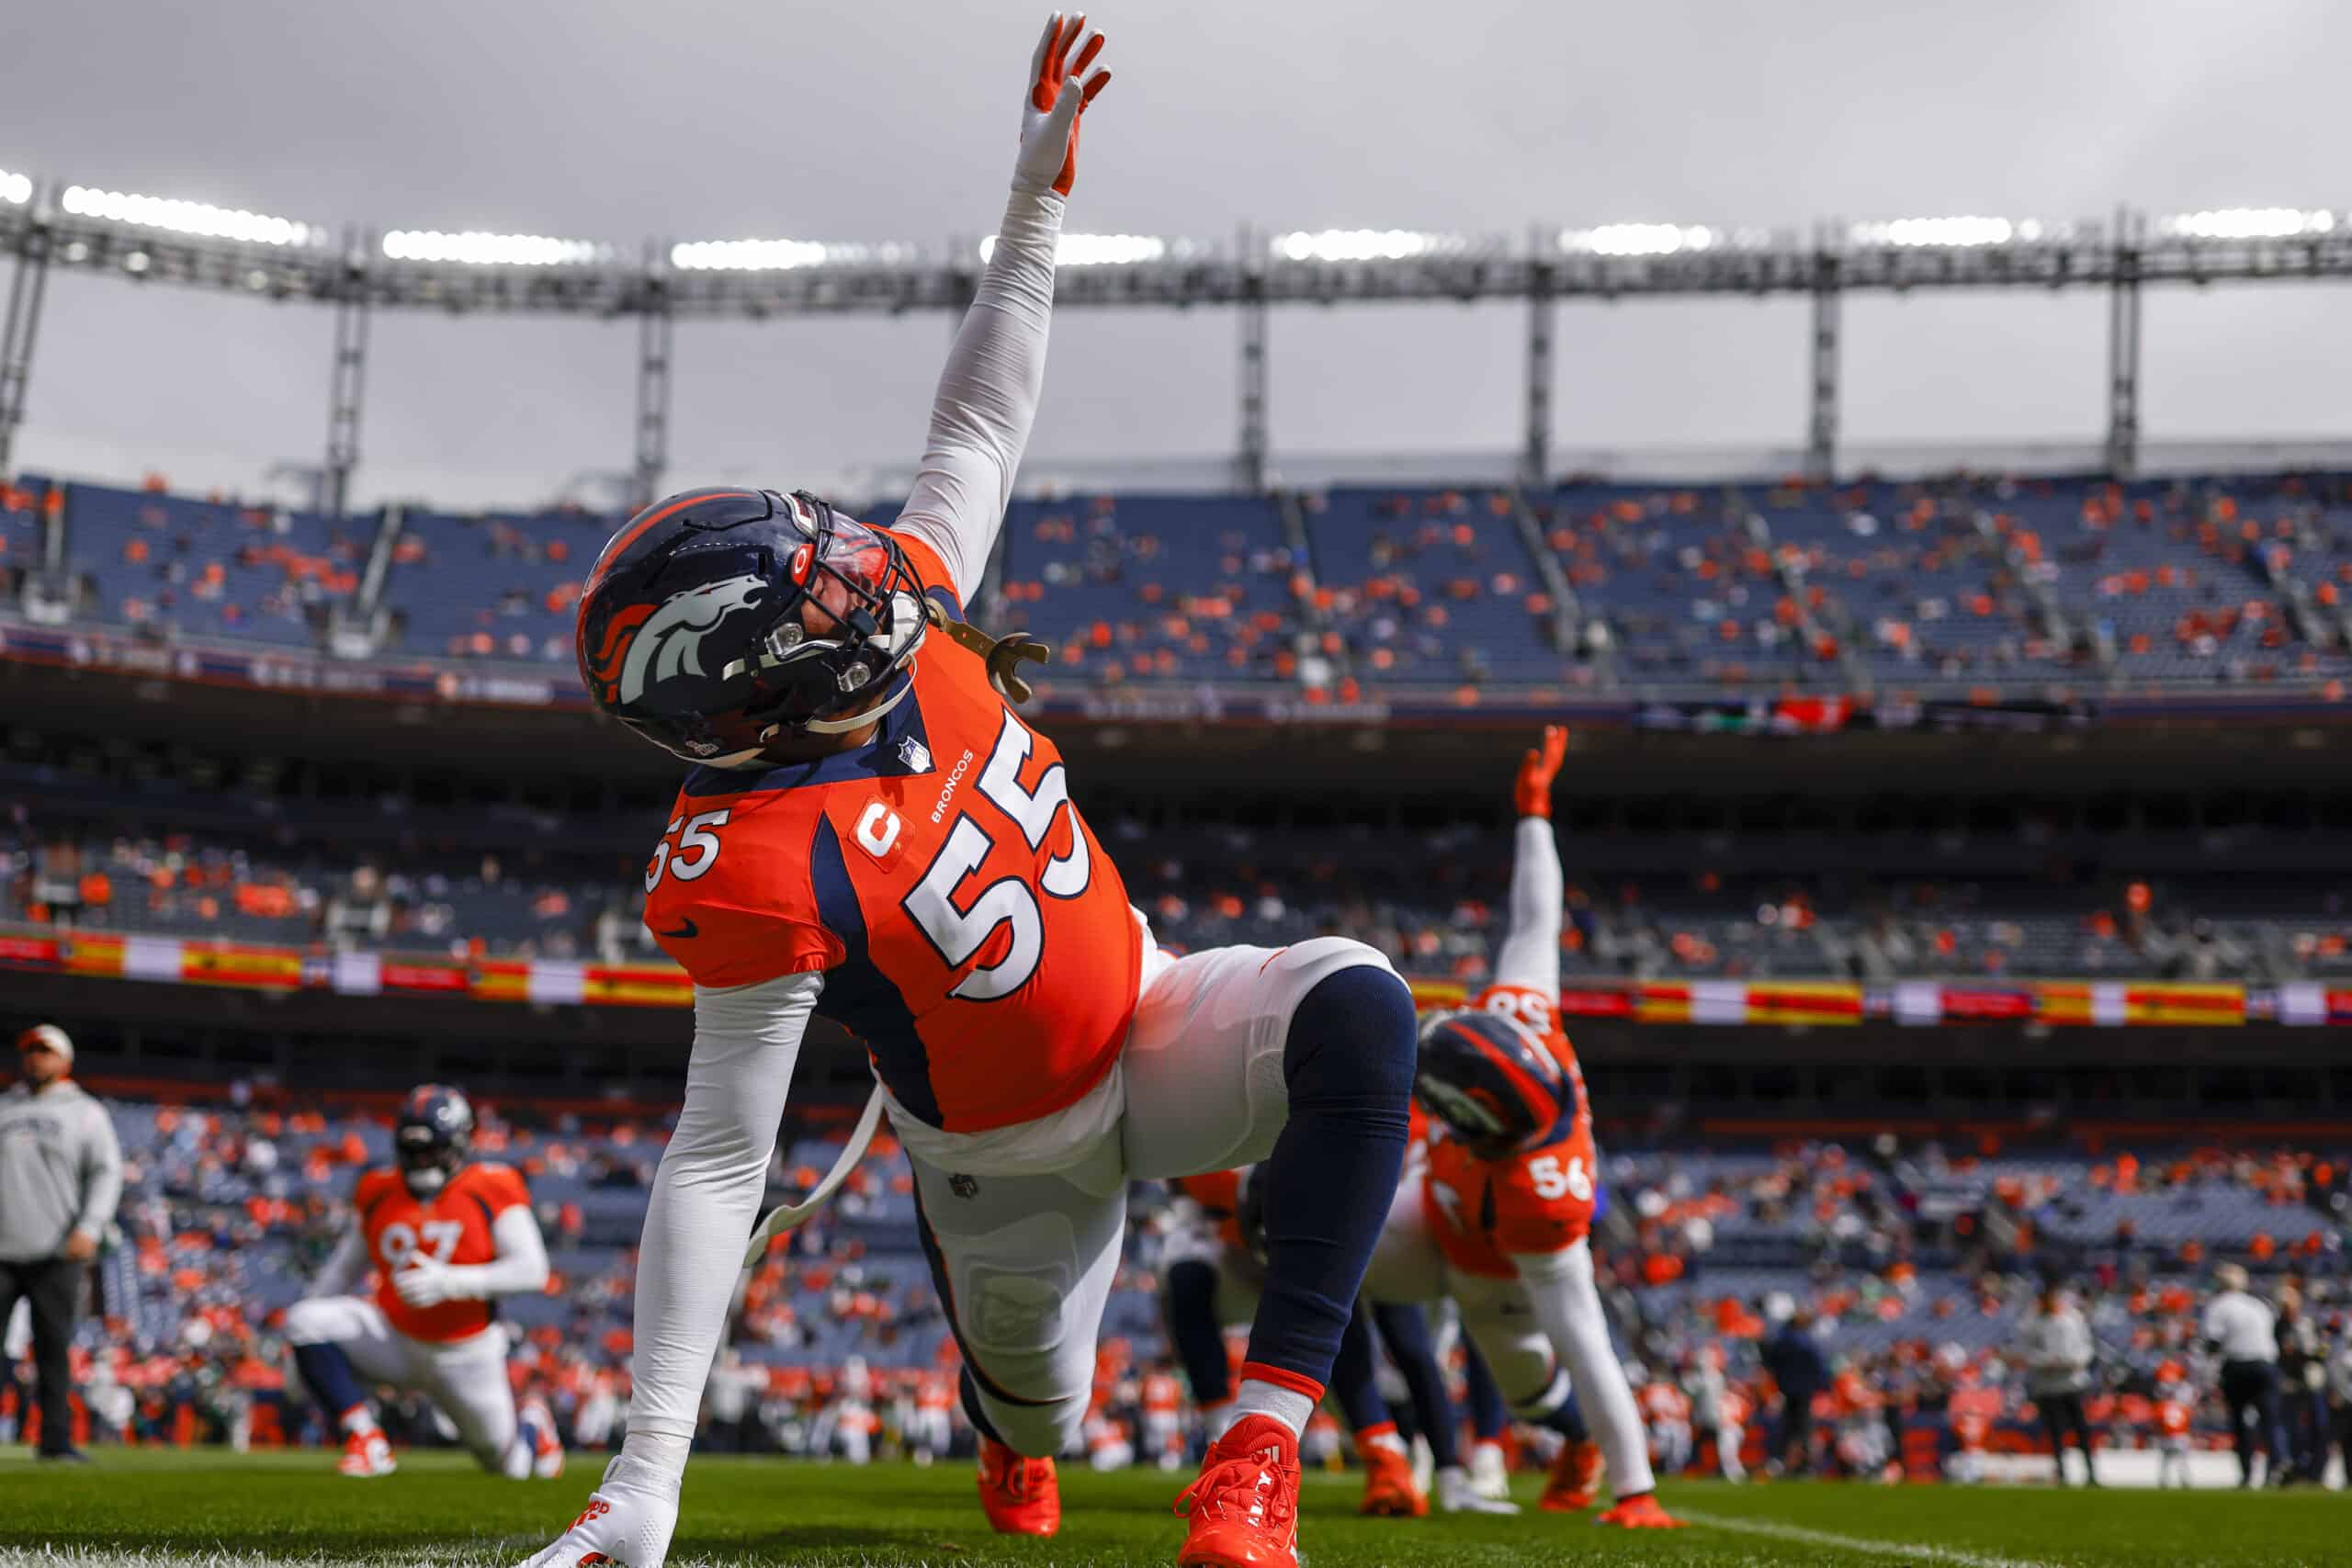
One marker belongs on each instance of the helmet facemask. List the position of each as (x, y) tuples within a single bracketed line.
[(853, 619)]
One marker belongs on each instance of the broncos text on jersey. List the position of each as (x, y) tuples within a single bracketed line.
[(452, 1227), (968, 925)]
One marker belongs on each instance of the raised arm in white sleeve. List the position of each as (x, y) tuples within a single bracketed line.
[(988, 394), (345, 1266), (1530, 955), (1567, 1307)]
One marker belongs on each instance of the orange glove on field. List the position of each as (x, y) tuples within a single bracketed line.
[(1537, 769)]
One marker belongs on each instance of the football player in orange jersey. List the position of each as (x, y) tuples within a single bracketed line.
[(1501, 1219), (872, 832), (445, 1236), (2175, 1404)]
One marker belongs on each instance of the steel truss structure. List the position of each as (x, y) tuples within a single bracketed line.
[(356, 278)]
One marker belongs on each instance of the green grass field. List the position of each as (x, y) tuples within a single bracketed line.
[(227, 1511)]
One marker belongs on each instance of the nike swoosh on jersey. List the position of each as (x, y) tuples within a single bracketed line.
[(686, 929)]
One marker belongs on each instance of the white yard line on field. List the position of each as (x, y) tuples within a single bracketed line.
[(1911, 1551)]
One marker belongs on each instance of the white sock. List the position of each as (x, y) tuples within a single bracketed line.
[(1388, 1440), (1216, 1419), (358, 1419), (1285, 1405)]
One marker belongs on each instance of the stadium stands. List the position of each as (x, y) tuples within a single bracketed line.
[(1432, 900), (1914, 1263), (175, 566), (1968, 583)]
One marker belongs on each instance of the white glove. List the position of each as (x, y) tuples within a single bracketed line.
[(1457, 1494), (628, 1519), (1049, 158), (425, 1283)]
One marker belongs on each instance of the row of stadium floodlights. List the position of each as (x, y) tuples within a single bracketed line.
[(481, 248)]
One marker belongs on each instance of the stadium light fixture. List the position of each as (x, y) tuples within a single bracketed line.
[(1364, 244), (185, 217), (1640, 239), (783, 255), (2248, 223), (475, 248), (1107, 250), (16, 189), (1962, 233)]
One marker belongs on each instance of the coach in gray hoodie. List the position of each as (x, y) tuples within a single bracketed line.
[(60, 1172)]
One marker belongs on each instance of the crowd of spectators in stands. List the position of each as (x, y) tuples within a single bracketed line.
[(1432, 900), (1966, 581), (1901, 1272)]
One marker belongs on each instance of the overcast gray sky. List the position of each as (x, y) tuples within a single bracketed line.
[(699, 120)]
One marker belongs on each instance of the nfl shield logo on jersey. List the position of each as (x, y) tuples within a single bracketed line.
[(915, 755)]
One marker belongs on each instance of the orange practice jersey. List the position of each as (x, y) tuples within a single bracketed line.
[(2172, 1418), (967, 922), (454, 1228), (1538, 1201)]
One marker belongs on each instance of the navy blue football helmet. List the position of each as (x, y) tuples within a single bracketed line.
[(1495, 1085), (720, 621), (434, 1137)]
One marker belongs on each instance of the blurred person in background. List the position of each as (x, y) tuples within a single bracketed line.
[(2055, 1349), (2240, 1329), (2302, 1390), (1792, 1355), (2339, 1398), (61, 1174), (1715, 1411), (2176, 1404)]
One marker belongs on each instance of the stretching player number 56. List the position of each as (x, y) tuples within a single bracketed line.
[(1553, 1179), (959, 934)]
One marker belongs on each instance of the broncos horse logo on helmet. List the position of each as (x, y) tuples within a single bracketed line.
[(719, 621), (1495, 1085), (434, 1137)]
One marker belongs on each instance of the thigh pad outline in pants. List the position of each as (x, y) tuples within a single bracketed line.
[(357, 1327), (1023, 1264), (1203, 1065), (1500, 1319), (468, 1381)]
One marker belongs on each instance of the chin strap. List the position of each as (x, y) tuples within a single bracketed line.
[(863, 717), (1004, 655)]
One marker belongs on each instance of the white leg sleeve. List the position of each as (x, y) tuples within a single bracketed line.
[(1560, 1286), (707, 1197), (1530, 954)]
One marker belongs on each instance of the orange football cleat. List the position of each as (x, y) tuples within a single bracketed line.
[(1244, 1508), (366, 1455), (1575, 1476), (1021, 1497), (1640, 1512), (1388, 1489)]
